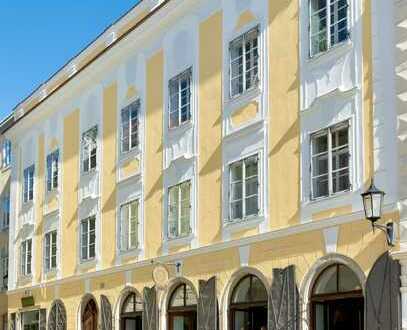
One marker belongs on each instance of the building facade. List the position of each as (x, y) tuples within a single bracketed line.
[(5, 162), (200, 165)]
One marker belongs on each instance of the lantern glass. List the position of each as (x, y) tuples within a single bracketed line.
[(367, 204), (373, 203)]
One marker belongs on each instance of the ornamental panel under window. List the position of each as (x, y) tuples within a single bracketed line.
[(180, 99), (50, 251), (330, 161), (89, 149), (26, 256), (179, 210), (28, 188), (244, 188), (129, 224), (88, 238), (130, 126), (244, 62), (52, 170), (328, 24)]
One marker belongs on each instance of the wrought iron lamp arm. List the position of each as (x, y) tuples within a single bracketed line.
[(388, 229)]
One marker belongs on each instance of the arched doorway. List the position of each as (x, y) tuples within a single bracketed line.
[(90, 316), (182, 308), (337, 300), (57, 316), (131, 314), (248, 306)]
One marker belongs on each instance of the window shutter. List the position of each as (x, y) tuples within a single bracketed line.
[(207, 305), (106, 313), (13, 321), (150, 314), (43, 319), (284, 300), (382, 306)]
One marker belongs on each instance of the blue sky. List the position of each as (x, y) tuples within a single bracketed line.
[(38, 37)]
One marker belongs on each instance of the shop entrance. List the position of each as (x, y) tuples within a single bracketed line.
[(182, 313), (337, 301), (90, 316), (248, 307)]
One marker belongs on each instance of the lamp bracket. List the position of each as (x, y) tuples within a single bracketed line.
[(388, 229)]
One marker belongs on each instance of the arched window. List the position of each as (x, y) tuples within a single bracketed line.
[(182, 308), (57, 316), (90, 316), (131, 316), (248, 305), (337, 299)]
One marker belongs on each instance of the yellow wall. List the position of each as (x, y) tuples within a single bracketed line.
[(210, 129), (154, 155), (130, 167), (69, 219), (284, 141), (39, 207), (245, 114), (108, 200)]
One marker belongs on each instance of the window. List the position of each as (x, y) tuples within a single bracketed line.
[(26, 254), (89, 149), (52, 170), (328, 24), (50, 252), (180, 99), (31, 320), (6, 153), (130, 126), (131, 316), (28, 191), (6, 211), (4, 267), (182, 308), (129, 226), (330, 161), (179, 210), (88, 238), (244, 188), (244, 62)]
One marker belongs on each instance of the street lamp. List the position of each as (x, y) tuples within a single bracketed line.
[(373, 200)]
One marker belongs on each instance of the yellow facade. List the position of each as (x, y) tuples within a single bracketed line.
[(290, 232)]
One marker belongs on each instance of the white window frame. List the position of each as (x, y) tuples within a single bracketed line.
[(26, 257), (186, 74), (329, 45), (230, 201), (88, 238), (179, 206), (133, 106), (6, 211), (327, 131), (48, 255), (129, 219), (28, 184), (53, 171), (34, 323), (87, 150), (6, 153), (4, 266), (255, 85)]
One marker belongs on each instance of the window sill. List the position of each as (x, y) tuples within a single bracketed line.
[(245, 97), (181, 129), (125, 156), (134, 252), (335, 51), (179, 241), (51, 273), (87, 264), (242, 224), (335, 196)]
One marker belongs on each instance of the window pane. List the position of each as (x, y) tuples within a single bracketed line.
[(251, 167), (190, 297), (340, 181), (236, 210), (252, 206), (348, 281), (320, 187), (327, 282), (319, 144), (320, 165), (236, 172), (173, 230), (242, 291), (259, 292), (236, 191), (125, 129), (177, 298)]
